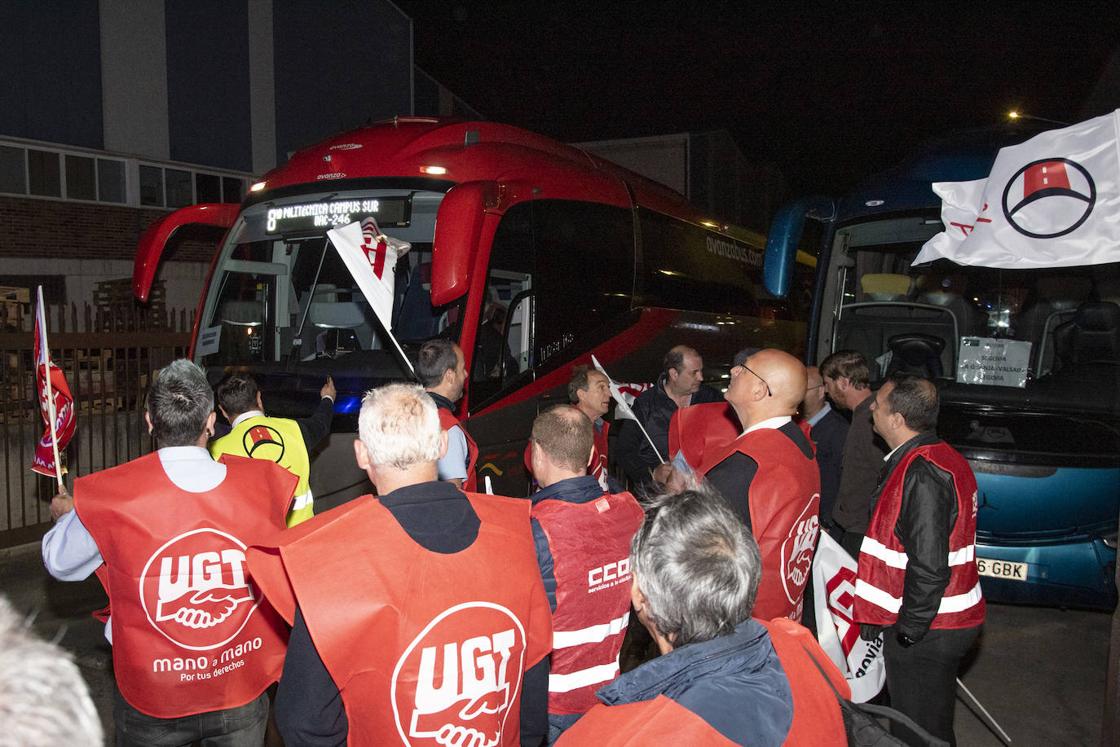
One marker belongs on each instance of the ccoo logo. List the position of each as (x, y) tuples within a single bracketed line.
[(1049, 198), (194, 589), (455, 683)]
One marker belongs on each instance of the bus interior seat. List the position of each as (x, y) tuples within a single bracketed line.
[(1092, 335), (885, 286), (343, 315), (416, 319), (1054, 294), (969, 318), (916, 354), (869, 328)]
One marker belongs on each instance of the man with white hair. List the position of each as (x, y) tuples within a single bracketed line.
[(43, 698), (416, 613), (194, 648), (722, 677)]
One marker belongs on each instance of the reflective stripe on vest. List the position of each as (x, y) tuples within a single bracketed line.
[(276, 440), (190, 635), (419, 643), (883, 560), (590, 547)]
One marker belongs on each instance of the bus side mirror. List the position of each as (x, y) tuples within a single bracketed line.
[(156, 237), (784, 238), (457, 232)]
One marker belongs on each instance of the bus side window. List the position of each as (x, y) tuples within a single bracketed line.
[(503, 346)]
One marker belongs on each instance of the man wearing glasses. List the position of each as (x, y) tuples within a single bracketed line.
[(769, 476)]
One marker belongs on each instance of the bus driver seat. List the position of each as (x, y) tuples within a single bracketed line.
[(1093, 335)]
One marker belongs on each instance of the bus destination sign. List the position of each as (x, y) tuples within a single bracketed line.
[(389, 212)]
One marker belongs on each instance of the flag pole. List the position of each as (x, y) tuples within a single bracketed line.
[(986, 717), (618, 398), (50, 391)]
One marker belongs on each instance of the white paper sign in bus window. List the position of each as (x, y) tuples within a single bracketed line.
[(987, 360)]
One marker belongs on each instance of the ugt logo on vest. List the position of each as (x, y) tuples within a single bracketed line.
[(263, 442), (454, 684), (797, 551), (194, 589), (1049, 198)]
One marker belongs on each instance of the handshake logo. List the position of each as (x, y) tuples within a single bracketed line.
[(194, 589), (456, 681)]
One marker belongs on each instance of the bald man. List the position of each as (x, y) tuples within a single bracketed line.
[(769, 476)]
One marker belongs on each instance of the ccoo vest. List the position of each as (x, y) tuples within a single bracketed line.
[(447, 421), (190, 632), (784, 499), (276, 440), (590, 545), (697, 430), (817, 720), (882, 558), (421, 645)]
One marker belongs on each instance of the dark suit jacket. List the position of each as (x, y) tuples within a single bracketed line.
[(829, 434)]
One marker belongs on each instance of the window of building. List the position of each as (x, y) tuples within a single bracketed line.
[(232, 189), (13, 174), (179, 192), (80, 181), (110, 180), (44, 175), (208, 187), (151, 186)]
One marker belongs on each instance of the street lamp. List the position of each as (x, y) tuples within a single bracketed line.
[(1014, 115)]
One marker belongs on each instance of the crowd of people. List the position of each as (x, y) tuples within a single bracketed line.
[(430, 613)]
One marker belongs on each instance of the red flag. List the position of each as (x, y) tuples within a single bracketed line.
[(65, 420)]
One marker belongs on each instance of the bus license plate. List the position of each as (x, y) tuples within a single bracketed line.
[(1002, 569)]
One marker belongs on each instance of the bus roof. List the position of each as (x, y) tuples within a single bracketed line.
[(444, 152), (960, 156)]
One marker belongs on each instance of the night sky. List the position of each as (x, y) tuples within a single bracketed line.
[(829, 94)]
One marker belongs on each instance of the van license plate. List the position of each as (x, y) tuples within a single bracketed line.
[(1002, 569)]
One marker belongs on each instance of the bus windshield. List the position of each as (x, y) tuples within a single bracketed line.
[(884, 297), (282, 295)]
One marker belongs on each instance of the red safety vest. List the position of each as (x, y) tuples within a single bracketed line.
[(423, 646), (447, 421), (190, 632), (883, 560), (598, 465), (697, 430), (817, 720), (590, 545), (784, 500)]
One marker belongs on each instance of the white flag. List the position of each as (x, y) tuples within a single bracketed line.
[(622, 393), (834, 593), (371, 257), (1053, 201)]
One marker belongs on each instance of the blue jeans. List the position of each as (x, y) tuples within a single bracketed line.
[(234, 727)]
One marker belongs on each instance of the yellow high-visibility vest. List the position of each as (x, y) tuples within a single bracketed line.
[(277, 440)]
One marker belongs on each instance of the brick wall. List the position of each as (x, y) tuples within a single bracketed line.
[(57, 229)]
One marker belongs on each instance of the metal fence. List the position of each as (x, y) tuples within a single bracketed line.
[(108, 358)]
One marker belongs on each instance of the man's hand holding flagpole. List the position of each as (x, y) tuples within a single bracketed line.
[(623, 409), (60, 423)]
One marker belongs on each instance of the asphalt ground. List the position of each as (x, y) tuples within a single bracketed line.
[(1040, 672)]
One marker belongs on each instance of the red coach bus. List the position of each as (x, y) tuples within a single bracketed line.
[(531, 254)]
